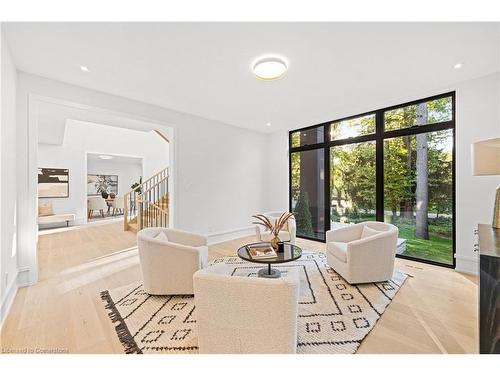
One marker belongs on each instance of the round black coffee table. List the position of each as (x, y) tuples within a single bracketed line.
[(286, 253)]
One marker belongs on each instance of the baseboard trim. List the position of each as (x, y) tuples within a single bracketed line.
[(24, 277), (76, 226), (467, 264), (8, 299), (214, 238)]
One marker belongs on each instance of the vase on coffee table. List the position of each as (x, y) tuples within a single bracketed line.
[(274, 242)]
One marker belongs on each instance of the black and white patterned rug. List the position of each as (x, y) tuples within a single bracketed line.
[(334, 316)]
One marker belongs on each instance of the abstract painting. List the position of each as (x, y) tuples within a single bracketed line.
[(53, 183), (99, 183)]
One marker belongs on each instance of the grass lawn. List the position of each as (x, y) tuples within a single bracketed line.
[(436, 248)]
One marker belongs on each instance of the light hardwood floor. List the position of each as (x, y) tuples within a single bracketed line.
[(434, 312)]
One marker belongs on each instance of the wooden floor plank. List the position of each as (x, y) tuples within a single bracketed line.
[(434, 312)]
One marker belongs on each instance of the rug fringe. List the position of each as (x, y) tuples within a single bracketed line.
[(121, 328)]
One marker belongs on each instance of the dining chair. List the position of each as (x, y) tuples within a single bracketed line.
[(118, 205), (96, 204)]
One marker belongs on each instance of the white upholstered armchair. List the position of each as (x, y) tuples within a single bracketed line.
[(363, 252), (288, 233), (169, 258), (237, 314)]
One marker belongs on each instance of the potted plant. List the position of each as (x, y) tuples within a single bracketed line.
[(137, 186)]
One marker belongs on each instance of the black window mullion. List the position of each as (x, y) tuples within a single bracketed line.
[(379, 165), (454, 222), (307, 147), (418, 129), (360, 139), (290, 172), (326, 154), (355, 116)]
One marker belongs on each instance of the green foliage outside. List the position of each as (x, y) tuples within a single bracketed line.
[(353, 186), (352, 175), (295, 157), (437, 248), (303, 216), (136, 186)]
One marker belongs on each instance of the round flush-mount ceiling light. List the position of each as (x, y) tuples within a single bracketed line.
[(270, 68), (105, 157)]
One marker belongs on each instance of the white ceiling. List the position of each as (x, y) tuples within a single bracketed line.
[(116, 159), (52, 119), (335, 69)]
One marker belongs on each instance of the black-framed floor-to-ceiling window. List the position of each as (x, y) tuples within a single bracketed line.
[(395, 164)]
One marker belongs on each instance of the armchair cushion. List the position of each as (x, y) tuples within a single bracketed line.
[(368, 232), (185, 238), (338, 250), (161, 236), (274, 216), (169, 260), (345, 234)]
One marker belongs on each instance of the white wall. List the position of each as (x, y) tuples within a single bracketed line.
[(217, 168), (276, 185), (8, 163), (84, 137), (478, 118), (127, 172)]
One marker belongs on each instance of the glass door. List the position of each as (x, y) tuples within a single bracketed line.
[(308, 192), (418, 194)]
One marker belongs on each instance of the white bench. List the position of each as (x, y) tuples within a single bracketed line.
[(56, 218)]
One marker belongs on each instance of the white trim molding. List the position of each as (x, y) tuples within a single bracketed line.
[(214, 238), (8, 299), (467, 264), (24, 277)]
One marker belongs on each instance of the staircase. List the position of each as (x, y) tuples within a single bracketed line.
[(148, 205)]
